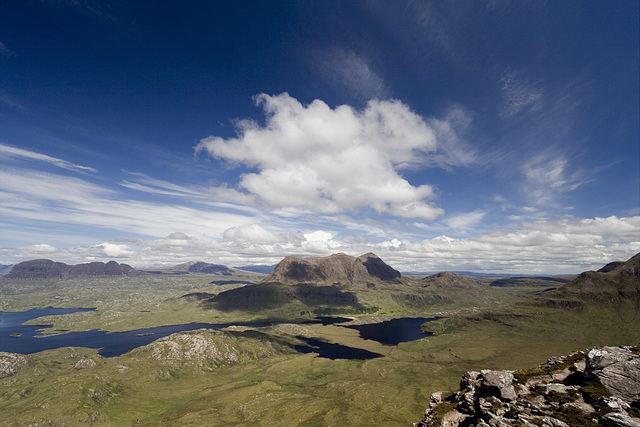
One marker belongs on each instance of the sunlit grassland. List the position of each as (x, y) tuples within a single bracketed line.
[(501, 331), (294, 389), (127, 303), (122, 303)]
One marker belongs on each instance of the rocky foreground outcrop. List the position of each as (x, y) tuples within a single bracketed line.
[(599, 387)]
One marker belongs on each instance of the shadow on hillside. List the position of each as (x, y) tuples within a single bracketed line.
[(253, 298)]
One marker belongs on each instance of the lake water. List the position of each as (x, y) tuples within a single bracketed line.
[(394, 331), (15, 337), (334, 351)]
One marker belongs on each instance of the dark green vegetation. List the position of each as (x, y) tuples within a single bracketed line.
[(273, 295), (252, 376)]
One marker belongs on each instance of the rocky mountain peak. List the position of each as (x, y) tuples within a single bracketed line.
[(337, 268)]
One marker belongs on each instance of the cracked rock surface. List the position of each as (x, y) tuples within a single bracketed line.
[(598, 387)]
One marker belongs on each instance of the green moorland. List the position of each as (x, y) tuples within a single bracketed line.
[(253, 376)]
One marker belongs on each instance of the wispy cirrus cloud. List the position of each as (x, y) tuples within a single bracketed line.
[(10, 101), (519, 93), (465, 221), (350, 73), (220, 197), (5, 51), (46, 198), (145, 183), (548, 177), (9, 152)]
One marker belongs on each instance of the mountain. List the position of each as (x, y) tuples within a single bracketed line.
[(343, 284), (47, 269), (335, 269), (616, 284), (321, 285), (615, 275)]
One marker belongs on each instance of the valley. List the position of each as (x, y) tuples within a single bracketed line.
[(253, 375)]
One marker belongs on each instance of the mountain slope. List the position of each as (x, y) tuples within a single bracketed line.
[(617, 284), (321, 285), (343, 284)]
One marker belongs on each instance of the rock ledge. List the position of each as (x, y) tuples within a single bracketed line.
[(598, 387)]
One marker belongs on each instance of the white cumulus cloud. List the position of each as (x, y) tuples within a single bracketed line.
[(331, 160), (114, 250)]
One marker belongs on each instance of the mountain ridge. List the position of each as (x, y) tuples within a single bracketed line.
[(617, 283), (48, 269)]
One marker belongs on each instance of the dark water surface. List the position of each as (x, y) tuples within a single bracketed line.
[(109, 344), (394, 331), (15, 337), (334, 351)]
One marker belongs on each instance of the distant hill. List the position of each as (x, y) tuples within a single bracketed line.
[(263, 269), (623, 277), (4, 269), (450, 281), (335, 269), (47, 269), (444, 288), (531, 281), (196, 267)]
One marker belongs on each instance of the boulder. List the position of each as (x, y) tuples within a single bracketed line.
[(617, 419), (557, 394), (498, 384), (84, 363), (11, 363), (616, 368)]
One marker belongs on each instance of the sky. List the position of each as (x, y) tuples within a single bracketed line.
[(489, 136)]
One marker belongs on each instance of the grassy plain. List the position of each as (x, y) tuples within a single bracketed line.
[(506, 330)]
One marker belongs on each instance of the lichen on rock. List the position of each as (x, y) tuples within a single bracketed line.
[(11, 363), (601, 389)]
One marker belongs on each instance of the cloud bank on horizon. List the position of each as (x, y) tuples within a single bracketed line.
[(485, 137)]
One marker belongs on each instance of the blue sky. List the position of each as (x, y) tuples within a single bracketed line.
[(470, 135)]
